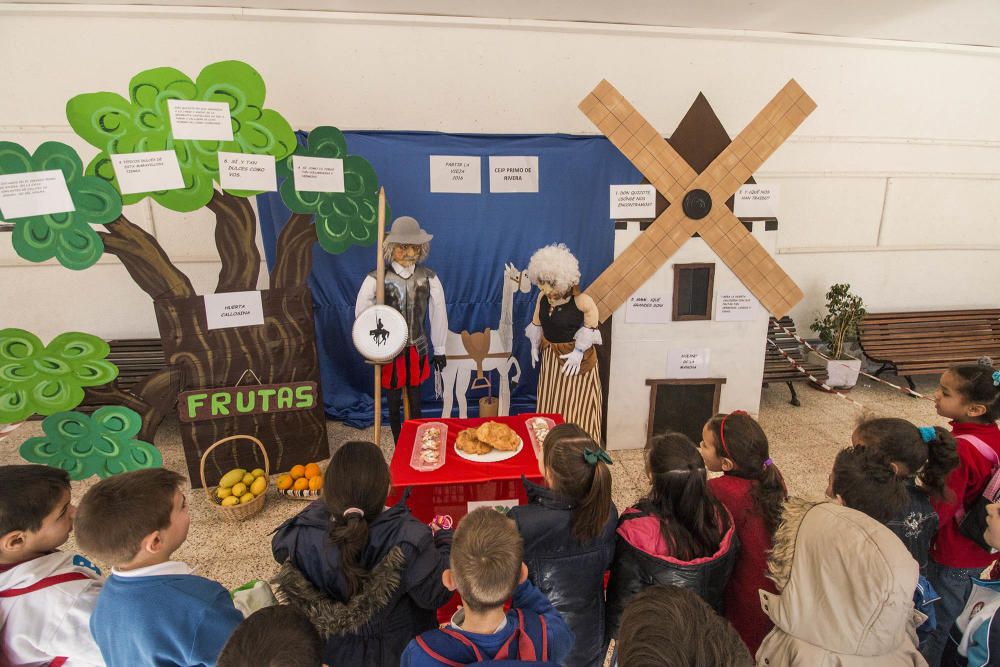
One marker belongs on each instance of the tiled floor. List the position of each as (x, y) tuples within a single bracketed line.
[(803, 443)]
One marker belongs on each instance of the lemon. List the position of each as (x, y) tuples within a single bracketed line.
[(258, 486), (239, 489), (223, 493), (232, 477), (229, 501), (245, 498), (257, 472)]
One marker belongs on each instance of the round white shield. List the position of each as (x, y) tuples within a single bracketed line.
[(380, 333)]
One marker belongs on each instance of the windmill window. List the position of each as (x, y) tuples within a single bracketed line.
[(693, 291)]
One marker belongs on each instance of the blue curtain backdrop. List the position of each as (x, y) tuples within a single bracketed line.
[(474, 236)]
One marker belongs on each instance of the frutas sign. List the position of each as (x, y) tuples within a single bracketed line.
[(220, 402)]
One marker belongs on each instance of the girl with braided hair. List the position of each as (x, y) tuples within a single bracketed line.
[(679, 534), (753, 491)]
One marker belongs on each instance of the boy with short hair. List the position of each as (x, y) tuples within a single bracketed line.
[(486, 567), (276, 636), (152, 610), (46, 595)]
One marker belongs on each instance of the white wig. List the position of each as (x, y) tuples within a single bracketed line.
[(555, 264)]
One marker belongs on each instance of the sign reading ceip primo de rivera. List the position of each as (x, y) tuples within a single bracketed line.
[(220, 402)]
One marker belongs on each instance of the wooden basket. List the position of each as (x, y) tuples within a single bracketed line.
[(237, 512)]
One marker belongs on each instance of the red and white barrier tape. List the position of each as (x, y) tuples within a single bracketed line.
[(812, 377), (803, 341)]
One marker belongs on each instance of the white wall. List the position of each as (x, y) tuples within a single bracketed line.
[(893, 184), (639, 351)]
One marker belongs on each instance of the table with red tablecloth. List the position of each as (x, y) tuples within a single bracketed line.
[(452, 487)]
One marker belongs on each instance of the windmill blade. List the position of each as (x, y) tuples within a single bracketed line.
[(638, 262), (639, 141), (752, 264), (758, 140)]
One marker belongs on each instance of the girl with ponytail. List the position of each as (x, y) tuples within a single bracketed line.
[(368, 576), (569, 536), (922, 458), (753, 491), (679, 534)]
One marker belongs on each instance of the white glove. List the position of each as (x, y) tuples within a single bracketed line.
[(573, 359), (534, 334)]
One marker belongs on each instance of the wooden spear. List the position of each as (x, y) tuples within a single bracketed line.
[(379, 299)]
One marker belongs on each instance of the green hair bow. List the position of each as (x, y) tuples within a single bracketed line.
[(592, 457)]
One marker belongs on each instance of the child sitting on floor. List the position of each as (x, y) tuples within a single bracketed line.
[(970, 397), (46, 596), (486, 567), (678, 535), (368, 576), (277, 636), (569, 536), (152, 610), (668, 625), (923, 458), (753, 491)]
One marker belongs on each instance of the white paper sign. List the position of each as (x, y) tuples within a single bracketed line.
[(513, 173), (154, 171), (687, 363), (34, 193), (737, 307), (756, 201), (461, 174), (244, 171), (318, 174), (200, 120), (233, 309), (647, 309), (492, 504), (633, 202)]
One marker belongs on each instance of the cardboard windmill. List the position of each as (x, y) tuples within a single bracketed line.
[(697, 187)]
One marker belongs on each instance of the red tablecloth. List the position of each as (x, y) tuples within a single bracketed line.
[(450, 488)]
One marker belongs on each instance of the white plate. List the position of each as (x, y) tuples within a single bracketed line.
[(493, 456)]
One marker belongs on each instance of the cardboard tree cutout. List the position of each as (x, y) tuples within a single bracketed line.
[(281, 350), (697, 198)]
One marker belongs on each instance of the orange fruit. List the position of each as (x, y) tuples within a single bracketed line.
[(315, 483), (312, 470), (301, 484), (297, 471), (285, 482)]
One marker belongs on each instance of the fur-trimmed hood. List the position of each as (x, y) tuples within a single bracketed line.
[(845, 585), (336, 618)]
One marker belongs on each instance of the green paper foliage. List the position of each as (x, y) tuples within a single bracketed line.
[(142, 123), (68, 237), (101, 444), (344, 218), (36, 378)]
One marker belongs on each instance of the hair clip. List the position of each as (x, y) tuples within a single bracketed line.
[(354, 510), (996, 378), (592, 457), (768, 462), (927, 433)]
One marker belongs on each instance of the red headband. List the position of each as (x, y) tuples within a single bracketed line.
[(722, 431)]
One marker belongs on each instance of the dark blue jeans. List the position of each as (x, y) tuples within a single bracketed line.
[(953, 585)]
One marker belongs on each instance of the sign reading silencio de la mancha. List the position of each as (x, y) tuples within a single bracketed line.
[(219, 402)]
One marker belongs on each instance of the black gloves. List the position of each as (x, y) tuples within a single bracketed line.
[(439, 361)]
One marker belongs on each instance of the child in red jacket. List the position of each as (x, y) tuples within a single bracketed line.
[(970, 397), (753, 491)]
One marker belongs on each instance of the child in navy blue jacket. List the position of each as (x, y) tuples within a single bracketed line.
[(151, 610), (487, 567), (368, 576), (569, 536)]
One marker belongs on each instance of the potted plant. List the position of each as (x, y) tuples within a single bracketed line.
[(837, 329)]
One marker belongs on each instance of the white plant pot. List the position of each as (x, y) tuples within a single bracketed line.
[(843, 374)]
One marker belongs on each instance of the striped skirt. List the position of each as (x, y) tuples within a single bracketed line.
[(577, 398)]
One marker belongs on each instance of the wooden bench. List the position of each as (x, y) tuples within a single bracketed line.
[(777, 368), (929, 342)]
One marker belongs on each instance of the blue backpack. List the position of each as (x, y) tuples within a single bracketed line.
[(527, 645)]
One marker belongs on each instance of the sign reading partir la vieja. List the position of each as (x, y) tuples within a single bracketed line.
[(264, 399)]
